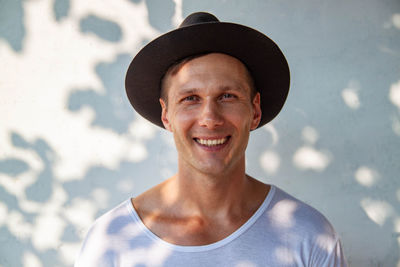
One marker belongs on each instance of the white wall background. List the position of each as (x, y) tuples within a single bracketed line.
[(71, 147)]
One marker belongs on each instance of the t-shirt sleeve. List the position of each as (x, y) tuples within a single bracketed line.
[(328, 253), (92, 252)]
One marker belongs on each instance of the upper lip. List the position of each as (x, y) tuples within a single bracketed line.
[(211, 138)]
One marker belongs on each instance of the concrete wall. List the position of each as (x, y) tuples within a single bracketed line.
[(71, 147)]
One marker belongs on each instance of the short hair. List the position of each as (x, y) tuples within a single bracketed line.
[(176, 66)]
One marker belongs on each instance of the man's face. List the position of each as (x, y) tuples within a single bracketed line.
[(210, 113)]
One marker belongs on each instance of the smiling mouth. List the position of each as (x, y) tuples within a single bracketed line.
[(212, 142)]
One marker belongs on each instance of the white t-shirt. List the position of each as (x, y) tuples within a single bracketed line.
[(282, 232)]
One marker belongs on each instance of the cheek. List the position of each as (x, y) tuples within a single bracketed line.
[(239, 115), (181, 120)]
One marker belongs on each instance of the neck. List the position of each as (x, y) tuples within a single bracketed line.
[(214, 194)]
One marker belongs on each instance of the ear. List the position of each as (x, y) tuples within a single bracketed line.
[(164, 115), (256, 112)]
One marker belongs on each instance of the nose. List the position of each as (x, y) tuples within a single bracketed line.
[(211, 116)]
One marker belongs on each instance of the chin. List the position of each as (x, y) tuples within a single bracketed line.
[(212, 169)]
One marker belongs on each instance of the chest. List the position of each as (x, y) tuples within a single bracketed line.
[(192, 231)]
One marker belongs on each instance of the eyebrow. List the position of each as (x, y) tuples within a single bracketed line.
[(189, 91), (237, 88)]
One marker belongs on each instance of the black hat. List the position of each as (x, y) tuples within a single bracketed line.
[(202, 33)]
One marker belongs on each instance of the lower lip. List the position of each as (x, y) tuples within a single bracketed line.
[(214, 148)]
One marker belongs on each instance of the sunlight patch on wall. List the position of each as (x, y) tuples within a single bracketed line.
[(3, 213), (68, 252), (168, 139), (125, 185), (397, 233), (17, 225), (167, 156), (178, 17), (31, 260), (70, 58), (47, 231), (81, 213), (350, 95), (16, 185), (394, 97), (8, 150), (101, 197), (396, 20), (270, 162), (396, 125), (377, 210), (52, 205), (397, 227), (273, 132), (134, 152), (388, 50), (310, 135), (394, 94), (141, 129), (104, 147), (96, 146), (48, 226), (366, 176), (308, 158)]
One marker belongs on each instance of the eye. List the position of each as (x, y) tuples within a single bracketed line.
[(190, 98), (227, 96)]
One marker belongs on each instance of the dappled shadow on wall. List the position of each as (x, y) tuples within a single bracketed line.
[(160, 14), (30, 224), (111, 110), (50, 191), (44, 218), (12, 27), (102, 28), (61, 9), (341, 153)]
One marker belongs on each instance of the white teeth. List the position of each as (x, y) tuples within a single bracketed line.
[(209, 142)]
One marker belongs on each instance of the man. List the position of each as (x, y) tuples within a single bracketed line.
[(210, 83)]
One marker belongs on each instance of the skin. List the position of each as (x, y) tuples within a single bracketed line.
[(211, 196)]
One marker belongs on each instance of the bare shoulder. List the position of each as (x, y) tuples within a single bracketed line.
[(153, 203)]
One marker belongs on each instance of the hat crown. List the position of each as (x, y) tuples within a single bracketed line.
[(201, 33), (198, 18)]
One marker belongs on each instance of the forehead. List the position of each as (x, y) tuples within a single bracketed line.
[(210, 69), (214, 61)]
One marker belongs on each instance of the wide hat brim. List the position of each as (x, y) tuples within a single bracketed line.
[(261, 55)]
